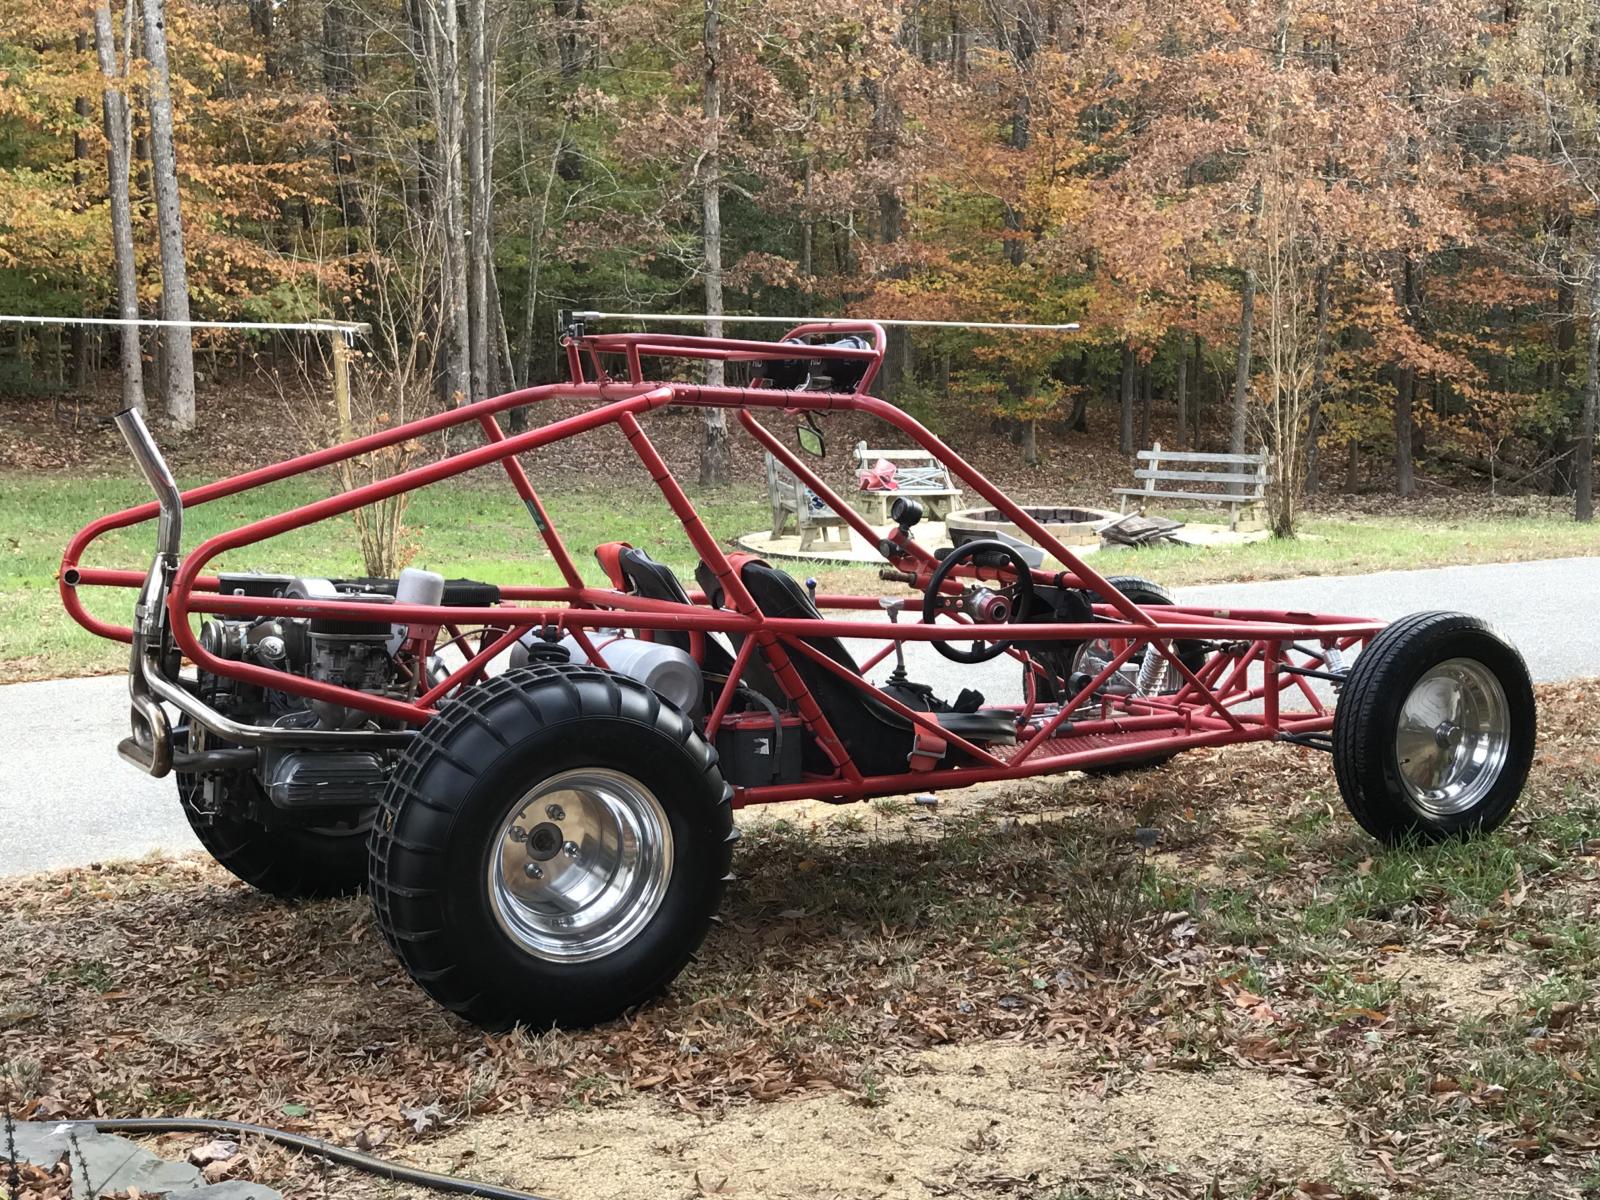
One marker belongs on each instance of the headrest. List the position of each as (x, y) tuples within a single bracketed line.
[(708, 582), (609, 556)]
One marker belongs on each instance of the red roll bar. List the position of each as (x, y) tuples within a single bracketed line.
[(1214, 705)]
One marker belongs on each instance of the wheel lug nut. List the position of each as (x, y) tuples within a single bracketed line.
[(518, 834), (533, 870), (571, 849), (555, 812)]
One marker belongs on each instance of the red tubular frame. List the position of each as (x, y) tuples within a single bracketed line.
[(1212, 706)]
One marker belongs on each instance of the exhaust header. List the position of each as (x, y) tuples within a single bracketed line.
[(169, 532)]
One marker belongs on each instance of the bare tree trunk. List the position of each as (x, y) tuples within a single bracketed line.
[(114, 112), (1196, 368), (1144, 403), (1183, 393), (444, 37), (478, 186), (178, 342), (418, 185), (502, 370), (1125, 429), (497, 339), (572, 49), (1078, 418), (262, 22), (714, 449), (1404, 396), (1030, 442), (1583, 459), (1239, 422), (1566, 322), (536, 262), (808, 231), (78, 343), (1560, 363), (883, 145), (1405, 484), (1023, 46), (1319, 381), (338, 80)]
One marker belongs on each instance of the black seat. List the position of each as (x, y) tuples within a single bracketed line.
[(879, 739), (656, 581), (986, 726)]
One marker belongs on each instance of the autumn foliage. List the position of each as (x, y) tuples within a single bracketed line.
[(1364, 236)]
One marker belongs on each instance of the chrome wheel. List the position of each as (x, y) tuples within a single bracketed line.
[(580, 865), (1453, 736)]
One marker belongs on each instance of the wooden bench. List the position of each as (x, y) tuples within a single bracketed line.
[(917, 474), (791, 500), (1177, 475)]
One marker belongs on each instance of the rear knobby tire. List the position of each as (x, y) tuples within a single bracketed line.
[(1058, 657), (1146, 593), (467, 822), (290, 863), (1434, 733)]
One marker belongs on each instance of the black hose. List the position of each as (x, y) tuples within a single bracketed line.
[(309, 1145)]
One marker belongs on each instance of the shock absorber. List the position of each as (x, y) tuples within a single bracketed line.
[(1153, 672)]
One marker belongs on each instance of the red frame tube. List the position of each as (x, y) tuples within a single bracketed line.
[(1206, 709)]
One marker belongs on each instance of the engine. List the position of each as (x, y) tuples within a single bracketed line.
[(376, 657), (357, 653)]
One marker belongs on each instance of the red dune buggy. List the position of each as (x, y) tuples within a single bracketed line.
[(537, 784)]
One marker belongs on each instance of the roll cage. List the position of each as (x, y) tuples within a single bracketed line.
[(1254, 683)]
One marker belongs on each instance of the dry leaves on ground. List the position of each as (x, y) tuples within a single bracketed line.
[(861, 939)]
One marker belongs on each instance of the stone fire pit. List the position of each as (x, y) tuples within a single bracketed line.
[(1069, 526)]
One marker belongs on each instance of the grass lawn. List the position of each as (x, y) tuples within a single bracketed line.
[(483, 532), (475, 532), (1355, 545)]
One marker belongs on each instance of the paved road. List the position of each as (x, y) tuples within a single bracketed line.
[(65, 797)]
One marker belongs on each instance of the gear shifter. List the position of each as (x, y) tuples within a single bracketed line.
[(892, 609)]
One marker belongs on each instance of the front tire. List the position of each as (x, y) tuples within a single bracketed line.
[(552, 849), (1434, 735)]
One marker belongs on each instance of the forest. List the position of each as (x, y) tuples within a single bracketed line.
[(1364, 234)]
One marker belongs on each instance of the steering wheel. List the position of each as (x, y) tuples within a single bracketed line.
[(987, 606)]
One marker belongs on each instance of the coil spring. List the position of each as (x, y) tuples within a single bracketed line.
[(1153, 671)]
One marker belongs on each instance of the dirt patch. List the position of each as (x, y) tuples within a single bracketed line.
[(967, 1115), (1218, 1120), (1468, 987)]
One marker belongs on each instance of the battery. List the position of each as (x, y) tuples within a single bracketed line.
[(757, 750)]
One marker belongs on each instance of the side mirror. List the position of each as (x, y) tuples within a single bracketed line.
[(810, 439)]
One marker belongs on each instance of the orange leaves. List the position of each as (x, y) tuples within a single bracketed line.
[(252, 148)]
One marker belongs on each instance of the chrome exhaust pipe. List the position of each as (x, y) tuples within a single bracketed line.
[(169, 533), (149, 612), (150, 748), (152, 682)]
